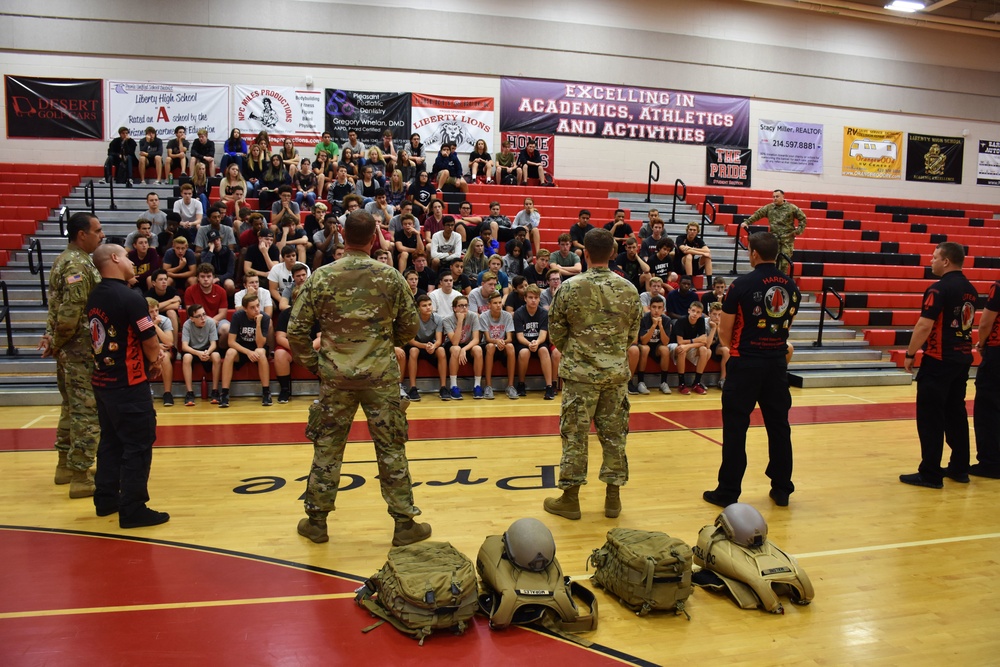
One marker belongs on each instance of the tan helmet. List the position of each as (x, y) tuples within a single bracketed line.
[(528, 543), (743, 525)]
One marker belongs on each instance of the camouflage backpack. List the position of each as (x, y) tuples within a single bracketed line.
[(421, 588), (645, 570)]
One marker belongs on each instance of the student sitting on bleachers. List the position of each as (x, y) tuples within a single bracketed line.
[(565, 260), (221, 257), (379, 207), (280, 275), (620, 230), (631, 265), (252, 287), (261, 258), (646, 230), (177, 151), (717, 293), (275, 177), (289, 155), (446, 245), (325, 170), (143, 227), (648, 246), (496, 335), (235, 151), (121, 158), (254, 168), (190, 211), (654, 336), (203, 152), (305, 184), (531, 331), (180, 264), (696, 256), (554, 279), (247, 342), (376, 160), (329, 146), (225, 233), (325, 240), (208, 293), (460, 328), (690, 342), (146, 261), (680, 299), (530, 162), (719, 351), (655, 287), (427, 276), (466, 224), (479, 298), (475, 260), (514, 264), (529, 218), (166, 295), (537, 273), (508, 172), (495, 266), (200, 340), (165, 336), (366, 186), (233, 188), (427, 344), (300, 273), (663, 261), (490, 245), (150, 153), (444, 296), (515, 297), (480, 163), (283, 353), (447, 161), (421, 193), (156, 217), (501, 226), (578, 230)]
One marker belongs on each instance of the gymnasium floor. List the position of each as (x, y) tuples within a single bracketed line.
[(903, 575)]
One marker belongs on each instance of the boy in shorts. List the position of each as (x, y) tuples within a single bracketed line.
[(496, 333), (460, 330), (165, 336), (200, 340), (427, 344), (720, 352), (531, 333), (247, 342), (654, 334), (690, 338)]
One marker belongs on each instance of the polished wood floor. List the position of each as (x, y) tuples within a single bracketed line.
[(903, 575)]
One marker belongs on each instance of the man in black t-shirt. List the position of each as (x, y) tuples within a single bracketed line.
[(654, 337), (247, 342), (695, 256), (690, 343), (986, 413), (579, 230), (537, 273), (945, 325), (256, 263), (757, 314), (662, 260), (620, 229), (632, 267), (126, 355), (531, 333)]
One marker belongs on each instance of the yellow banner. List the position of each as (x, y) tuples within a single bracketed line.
[(873, 153)]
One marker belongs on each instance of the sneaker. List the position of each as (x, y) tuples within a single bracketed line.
[(413, 394), (158, 182), (265, 397), (477, 393), (717, 498), (214, 397), (632, 389), (488, 393), (521, 391), (643, 389), (683, 389), (722, 382), (444, 394), (550, 393), (284, 395), (512, 392), (168, 399), (916, 479), (189, 399), (102, 182), (403, 396), (780, 498), (142, 518), (129, 183), (456, 394), (224, 401), (700, 389), (664, 388)]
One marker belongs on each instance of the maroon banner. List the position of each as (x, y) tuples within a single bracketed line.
[(545, 143), (40, 108), (622, 112)]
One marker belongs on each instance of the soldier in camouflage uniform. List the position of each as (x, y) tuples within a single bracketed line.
[(592, 320), (67, 338), (782, 216), (364, 309)]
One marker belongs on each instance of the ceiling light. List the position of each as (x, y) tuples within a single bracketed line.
[(908, 6)]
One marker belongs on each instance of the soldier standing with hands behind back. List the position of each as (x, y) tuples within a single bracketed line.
[(592, 321), (364, 310), (67, 338)]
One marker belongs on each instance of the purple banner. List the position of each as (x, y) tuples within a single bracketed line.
[(622, 112)]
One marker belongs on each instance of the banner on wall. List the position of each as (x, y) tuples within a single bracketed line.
[(368, 114), (934, 159), (43, 108), (138, 105), (464, 120), (544, 143), (790, 146), (281, 112), (873, 153), (729, 166), (988, 167), (622, 112)]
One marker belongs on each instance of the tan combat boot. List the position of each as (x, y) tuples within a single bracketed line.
[(409, 532), (314, 529), (63, 474), (612, 501), (81, 485), (567, 505)]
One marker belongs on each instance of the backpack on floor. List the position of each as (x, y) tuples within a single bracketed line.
[(421, 588), (514, 595), (646, 570)]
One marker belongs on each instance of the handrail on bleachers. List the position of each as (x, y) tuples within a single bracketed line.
[(711, 219), (673, 204), (652, 178), (739, 245), (5, 318), (824, 311), (35, 247), (64, 216), (89, 197)]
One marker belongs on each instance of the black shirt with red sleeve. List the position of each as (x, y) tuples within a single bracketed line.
[(993, 303), (951, 303), (764, 302), (119, 322)]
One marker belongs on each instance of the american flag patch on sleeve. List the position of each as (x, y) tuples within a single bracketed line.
[(144, 323), (75, 278)]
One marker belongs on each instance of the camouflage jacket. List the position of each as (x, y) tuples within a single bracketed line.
[(72, 278), (782, 219), (364, 309), (593, 319)]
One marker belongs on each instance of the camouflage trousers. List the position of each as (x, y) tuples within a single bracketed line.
[(786, 245), (329, 423), (78, 431), (608, 407)]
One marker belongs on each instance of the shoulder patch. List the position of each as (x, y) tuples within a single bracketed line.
[(75, 278)]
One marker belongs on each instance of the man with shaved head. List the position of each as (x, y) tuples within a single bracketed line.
[(126, 355)]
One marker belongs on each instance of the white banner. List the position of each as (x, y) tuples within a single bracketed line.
[(138, 105), (789, 146), (988, 168), (282, 112), (464, 120)]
